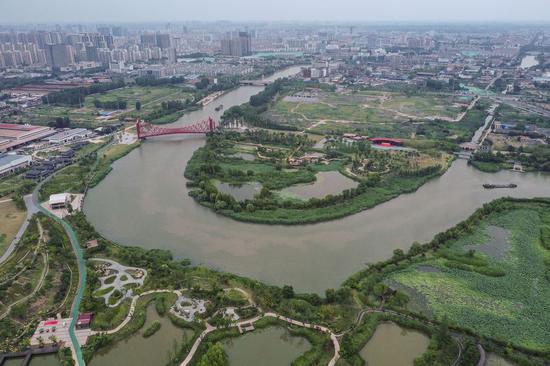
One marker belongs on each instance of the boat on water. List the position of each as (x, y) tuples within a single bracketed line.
[(493, 186), (219, 108)]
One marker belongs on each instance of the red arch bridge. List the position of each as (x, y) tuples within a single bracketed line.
[(145, 129)]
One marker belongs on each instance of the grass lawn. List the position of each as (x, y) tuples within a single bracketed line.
[(11, 219), (513, 307)]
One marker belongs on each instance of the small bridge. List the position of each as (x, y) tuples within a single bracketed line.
[(255, 82), (145, 129)]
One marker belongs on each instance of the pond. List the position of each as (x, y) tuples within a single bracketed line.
[(13, 362), (496, 246), (240, 192), (139, 351), (273, 346), (327, 183), (45, 360), (395, 346)]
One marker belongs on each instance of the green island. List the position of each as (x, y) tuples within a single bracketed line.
[(152, 329), (274, 161)]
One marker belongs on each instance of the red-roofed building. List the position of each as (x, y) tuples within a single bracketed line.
[(84, 320), (14, 135), (386, 141)]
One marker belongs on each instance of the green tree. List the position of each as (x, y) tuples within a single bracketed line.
[(398, 254), (138, 105), (330, 295), (288, 292), (215, 356)]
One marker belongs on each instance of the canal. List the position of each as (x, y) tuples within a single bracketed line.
[(144, 202)]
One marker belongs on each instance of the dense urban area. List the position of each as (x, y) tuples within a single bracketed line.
[(274, 194)]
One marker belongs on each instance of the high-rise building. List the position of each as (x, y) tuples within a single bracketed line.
[(91, 53), (163, 41), (240, 45), (59, 55), (148, 40), (104, 55)]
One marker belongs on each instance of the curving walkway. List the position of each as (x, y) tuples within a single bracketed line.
[(31, 210), (133, 308), (482, 356), (210, 328)]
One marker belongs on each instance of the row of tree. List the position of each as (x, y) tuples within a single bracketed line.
[(76, 96), (111, 104)]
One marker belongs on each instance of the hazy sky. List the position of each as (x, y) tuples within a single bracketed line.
[(35, 11)]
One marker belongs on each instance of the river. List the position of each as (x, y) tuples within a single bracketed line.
[(144, 202)]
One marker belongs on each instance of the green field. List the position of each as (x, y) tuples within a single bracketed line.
[(11, 218), (365, 110), (500, 290), (150, 97)]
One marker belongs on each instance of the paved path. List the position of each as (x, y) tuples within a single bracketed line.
[(482, 356), (210, 328), (133, 308), (31, 210), (118, 283)]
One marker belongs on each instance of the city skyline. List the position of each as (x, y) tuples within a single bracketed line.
[(65, 11)]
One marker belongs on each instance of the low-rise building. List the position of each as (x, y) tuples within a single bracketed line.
[(14, 135), (59, 201), (10, 163), (69, 135)]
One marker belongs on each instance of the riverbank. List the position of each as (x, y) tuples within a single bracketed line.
[(345, 304), (430, 280)]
